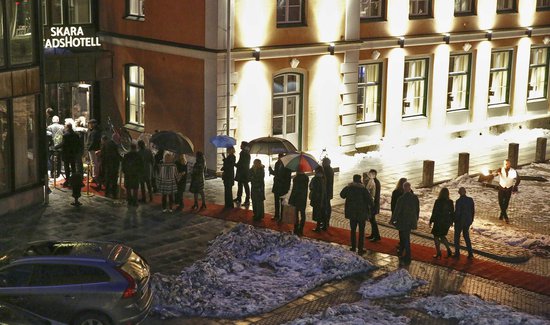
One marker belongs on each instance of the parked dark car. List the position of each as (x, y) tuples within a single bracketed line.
[(78, 282), (12, 315)]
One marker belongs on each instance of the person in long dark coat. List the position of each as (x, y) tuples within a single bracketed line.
[(145, 179), (241, 176), (298, 198), (181, 166), (257, 189), (442, 219), (318, 197), (405, 219), (110, 162), (374, 188), (281, 184), (464, 217), (357, 210), (132, 167), (329, 177), (70, 149), (228, 176), (93, 144), (397, 192), (197, 180)]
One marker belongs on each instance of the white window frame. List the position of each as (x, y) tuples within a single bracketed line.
[(409, 109), (502, 74), (506, 6), (135, 105), (365, 12), (415, 10), (537, 85), (453, 94), (363, 87), (460, 4), (135, 9), (287, 6)]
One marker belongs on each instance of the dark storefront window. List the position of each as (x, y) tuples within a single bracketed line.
[(25, 137), (57, 12), (2, 60), (19, 13), (80, 12), (5, 152)]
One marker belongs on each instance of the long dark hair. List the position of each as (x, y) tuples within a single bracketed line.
[(400, 183), (443, 194)]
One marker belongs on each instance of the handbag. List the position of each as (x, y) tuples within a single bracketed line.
[(288, 214)]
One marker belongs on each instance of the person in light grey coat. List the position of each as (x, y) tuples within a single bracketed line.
[(405, 219)]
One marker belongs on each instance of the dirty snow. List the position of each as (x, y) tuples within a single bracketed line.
[(397, 283)]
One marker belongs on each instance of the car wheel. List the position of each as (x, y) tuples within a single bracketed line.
[(92, 319)]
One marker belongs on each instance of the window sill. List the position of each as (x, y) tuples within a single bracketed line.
[(536, 100), (413, 117), (464, 14), (420, 17), (507, 11), (498, 105), (134, 127), (290, 25), (457, 110), (133, 17), (373, 19), (367, 124)]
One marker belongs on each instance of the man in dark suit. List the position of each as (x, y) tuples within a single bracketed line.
[(70, 149), (375, 193), (241, 176), (357, 210), (228, 176), (464, 216), (281, 184), (405, 219)]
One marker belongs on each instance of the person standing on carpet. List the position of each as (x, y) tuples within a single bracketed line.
[(281, 184), (373, 185), (241, 176), (145, 180), (298, 198), (197, 180), (464, 217), (181, 166), (132, 167), (228, 176), (318, 198), (442, 219), (167, 183), (395, 195), (256, 176), (508, 183), (357, 210), (405, 219), (329, 178)]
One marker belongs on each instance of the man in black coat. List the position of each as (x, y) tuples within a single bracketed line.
[(132, 166), (464, 216), (405, 219), (241, 176), (329, 181), (228, 176), (70, 149), (375, 233), (93, 144), (357, 209), (110, 161), (281, 184)]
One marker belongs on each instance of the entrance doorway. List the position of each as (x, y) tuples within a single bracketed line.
[(287, 108), (70, 99)]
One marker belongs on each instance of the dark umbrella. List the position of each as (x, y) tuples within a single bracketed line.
[(270, 146), (172, 141), (223, 141)]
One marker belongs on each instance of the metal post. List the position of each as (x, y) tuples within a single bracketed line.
[(228, 67), (428, 173), (54, 169), (513, 154), (540, 154), (463, 163)]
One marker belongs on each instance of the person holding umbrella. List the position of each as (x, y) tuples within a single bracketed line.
[(281, 184), (228, 176), (256, 176), (241, 176)]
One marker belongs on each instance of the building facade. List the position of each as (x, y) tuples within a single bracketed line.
[(22, 153), (341, 74)]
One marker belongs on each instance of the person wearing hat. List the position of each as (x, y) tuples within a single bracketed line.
[(93, 142)]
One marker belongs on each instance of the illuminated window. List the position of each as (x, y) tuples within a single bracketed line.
[(372, 9), (415, 87), (135, 99), (499, 78), (287, 99), (458, 89), (543, 4), (369, 93), (464, 7), (290, 13), (20, 23), (420, 9), (504, 6), (538, 73), (135, 9)]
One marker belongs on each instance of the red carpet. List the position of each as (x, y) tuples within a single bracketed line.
[(482, 268)]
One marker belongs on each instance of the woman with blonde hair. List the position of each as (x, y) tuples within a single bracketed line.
[(167, 181)]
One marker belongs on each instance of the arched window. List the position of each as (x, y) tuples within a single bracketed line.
[(287, 107), (135, 95)]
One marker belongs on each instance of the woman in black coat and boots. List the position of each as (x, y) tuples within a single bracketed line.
[(181, 166), (318, 197), (442, 219), (197, 180), (257, 189), (298, 198)]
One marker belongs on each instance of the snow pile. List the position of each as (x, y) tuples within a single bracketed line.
[(397, 283), (250, 271), (357, 313), (473, 310)]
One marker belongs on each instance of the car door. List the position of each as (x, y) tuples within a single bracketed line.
[(14, 284)]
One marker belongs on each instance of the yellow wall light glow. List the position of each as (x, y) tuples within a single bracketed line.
[(521, 76), (398, 17), (254, 20), (486, 13), (254, 93), (324, 100), (480, 87), (443, 14), (329, 19), (527, 12)]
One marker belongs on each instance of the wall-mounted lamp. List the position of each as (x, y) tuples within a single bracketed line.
[(256, 54), (401, 42), (294, 63), (546, 40), (447, 38), (331, 48), (489, 35), (375, 55), (529, 31), (466, 47)]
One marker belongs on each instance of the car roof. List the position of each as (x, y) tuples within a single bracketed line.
[(110, 251)]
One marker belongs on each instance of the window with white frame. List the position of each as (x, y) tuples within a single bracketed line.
[(287, 98), (499, 78), (464, 7), (290, 12), (504, 6), (458, 88), (420, 9), (135, 95), (543, 4), (135, 9), (538, 73), (415, 87), (369, 90), (372, 9)]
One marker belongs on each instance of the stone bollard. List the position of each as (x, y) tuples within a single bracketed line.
[(513, 154), (428, 173), (540, 154), (463, 163)]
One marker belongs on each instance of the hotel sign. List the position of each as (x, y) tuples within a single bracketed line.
[(70, 37)]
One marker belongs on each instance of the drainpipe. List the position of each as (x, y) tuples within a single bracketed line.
[(228, 68)]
